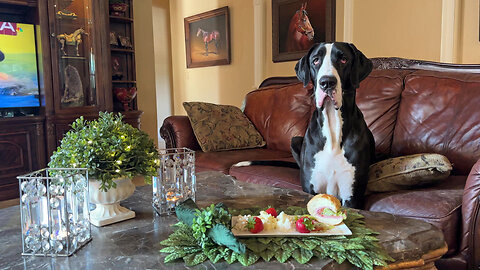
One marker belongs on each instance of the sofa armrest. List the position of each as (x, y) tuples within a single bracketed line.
[(177, 132), (470, 245)]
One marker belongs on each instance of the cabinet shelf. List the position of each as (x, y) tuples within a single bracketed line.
[(73, 57), (121, 19), (121, 81), (122, 50)]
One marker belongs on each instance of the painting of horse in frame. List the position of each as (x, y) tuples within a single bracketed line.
[(207, 38), (298, 24)]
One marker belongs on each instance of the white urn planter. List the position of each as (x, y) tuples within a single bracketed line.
[(108, 208)]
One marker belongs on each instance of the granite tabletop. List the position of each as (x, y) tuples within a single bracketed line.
[(134, 244)]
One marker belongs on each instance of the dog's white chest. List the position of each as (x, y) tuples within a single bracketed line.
[(332, 173)]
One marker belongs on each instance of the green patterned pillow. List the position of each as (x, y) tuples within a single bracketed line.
[(407, 171), (222, 127)]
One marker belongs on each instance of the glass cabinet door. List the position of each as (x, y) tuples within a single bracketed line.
[(73, 53)]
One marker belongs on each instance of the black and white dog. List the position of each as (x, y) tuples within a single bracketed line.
[(338, 148)]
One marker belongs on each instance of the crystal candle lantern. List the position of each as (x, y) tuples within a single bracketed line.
[(175, 181), (54, 211)]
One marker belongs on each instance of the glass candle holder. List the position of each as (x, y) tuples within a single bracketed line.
[(54, 211), (175, 181)]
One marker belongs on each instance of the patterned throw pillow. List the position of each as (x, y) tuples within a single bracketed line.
[(408, 171), (222, 127)]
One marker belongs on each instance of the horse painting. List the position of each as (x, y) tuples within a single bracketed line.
[(300, 31), (73, 39), (209, 37)]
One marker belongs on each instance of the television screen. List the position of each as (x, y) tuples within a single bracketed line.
[(18, 66)]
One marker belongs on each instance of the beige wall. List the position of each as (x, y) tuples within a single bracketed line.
[(226, 84), (163, 62), (153, 64), (470, 45), (407, 28), (145, 68)]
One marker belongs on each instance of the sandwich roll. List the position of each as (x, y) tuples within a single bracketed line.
[(326, 209)]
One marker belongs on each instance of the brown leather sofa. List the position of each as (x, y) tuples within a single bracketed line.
[(411, 107)]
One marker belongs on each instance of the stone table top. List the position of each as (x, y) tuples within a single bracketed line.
[(134, 244)]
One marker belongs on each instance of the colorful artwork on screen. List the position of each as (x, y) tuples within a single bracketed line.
[(18, 66)]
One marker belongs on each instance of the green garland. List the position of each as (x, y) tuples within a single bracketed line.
[(361, 248)]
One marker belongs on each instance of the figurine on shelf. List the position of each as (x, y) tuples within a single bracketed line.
[(113, 39), (64, 10), (118, 8), (66, 14), (117, 70), (73, 39), (125, 41), (73, 93), (125, 96)]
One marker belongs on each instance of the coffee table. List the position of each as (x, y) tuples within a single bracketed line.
[(134, 244)]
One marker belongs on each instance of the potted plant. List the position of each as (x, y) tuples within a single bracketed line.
[(113, 152)]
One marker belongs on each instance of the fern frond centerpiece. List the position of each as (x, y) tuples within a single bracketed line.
[(113, 152)]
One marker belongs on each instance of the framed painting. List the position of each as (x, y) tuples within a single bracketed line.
[(298, 24), (207, 38)]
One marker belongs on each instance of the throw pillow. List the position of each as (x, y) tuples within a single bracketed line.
[(407, 171), (222, 127)]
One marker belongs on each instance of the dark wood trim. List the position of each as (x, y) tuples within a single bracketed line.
[(403, 63), (122, 50), (22, 150), (121, 19), (24, 3)]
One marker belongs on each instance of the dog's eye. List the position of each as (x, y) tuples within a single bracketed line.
[(343, 60), (315, 61)]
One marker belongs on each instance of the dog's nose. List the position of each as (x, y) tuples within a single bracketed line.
[(328, 82)]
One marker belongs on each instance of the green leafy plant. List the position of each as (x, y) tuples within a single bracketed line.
[(109, 148), (207, 218), (360, 249)]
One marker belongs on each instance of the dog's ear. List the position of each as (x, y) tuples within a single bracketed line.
[(361, 67), (302, 68)]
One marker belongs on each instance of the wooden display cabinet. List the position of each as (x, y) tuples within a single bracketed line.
[(122, 55), (82, 78), (75, 78)]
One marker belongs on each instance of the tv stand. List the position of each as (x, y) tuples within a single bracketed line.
[(22, 149)]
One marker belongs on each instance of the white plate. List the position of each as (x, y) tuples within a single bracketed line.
[(340, 229)]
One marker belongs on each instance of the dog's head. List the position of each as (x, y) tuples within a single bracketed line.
[(334, 69)]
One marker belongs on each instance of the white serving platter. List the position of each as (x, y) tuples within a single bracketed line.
[(340, 229)]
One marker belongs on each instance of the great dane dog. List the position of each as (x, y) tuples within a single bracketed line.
[(338, 148)]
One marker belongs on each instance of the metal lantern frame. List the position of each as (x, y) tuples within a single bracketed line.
[(61, 194), (175, 181)]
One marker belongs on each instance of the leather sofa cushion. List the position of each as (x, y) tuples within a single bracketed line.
[(407, 172), (280, 113), (439, 114), (269, 175), (221, 127), (222, 161), (439, 205), (378, 97)]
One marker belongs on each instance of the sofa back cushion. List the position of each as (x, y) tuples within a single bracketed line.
[(378, 97), (440, 113), (280, 112)]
